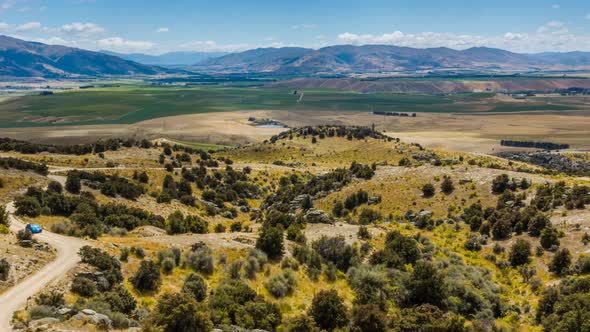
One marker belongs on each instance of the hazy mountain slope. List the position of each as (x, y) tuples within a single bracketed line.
[(384, 58), (567, 59), (19, 58), (168, 59)]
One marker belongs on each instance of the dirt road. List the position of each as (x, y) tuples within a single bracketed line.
[(67, 257)]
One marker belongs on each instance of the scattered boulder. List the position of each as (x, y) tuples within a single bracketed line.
[(43, 323), (65, 311), (374, 200), (92, 317), (317, 216), (552, 161), (88, 312)]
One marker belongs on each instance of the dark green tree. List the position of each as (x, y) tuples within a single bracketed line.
[(520, 252), (328, 310)]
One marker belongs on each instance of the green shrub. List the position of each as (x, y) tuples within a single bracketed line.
[(282, 285), (41, 311), (147, 277), (4, 218), (428, 190), (180, 312), (201, 259), (4, 269), (520, 253), (270, 240), (52, 299), (328, 310), (83, 286), (195, 286)]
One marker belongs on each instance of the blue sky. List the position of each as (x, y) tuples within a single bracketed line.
[(156, 26)]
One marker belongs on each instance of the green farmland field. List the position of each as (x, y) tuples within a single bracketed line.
[(125, 105)]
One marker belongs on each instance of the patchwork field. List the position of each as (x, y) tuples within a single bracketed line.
[(132, 104)]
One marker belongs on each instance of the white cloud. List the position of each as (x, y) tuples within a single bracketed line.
[(553, 36), (81, 29), (588, 17), (28, 27), (55, 41), (555, 6), (553, 27), (4, 26), (123, 45), (6, 5), (163, 30), (304, 26)]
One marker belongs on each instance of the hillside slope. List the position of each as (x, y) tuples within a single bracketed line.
[(19, 58), (342, 59)]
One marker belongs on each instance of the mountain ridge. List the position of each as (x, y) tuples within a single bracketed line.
[(179, 58), (351, 59), (20, 58)]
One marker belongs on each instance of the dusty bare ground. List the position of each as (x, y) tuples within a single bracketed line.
[(459, 132), (316, 231), (155, 238), (23, 261)]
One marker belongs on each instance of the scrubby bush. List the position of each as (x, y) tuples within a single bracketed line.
[(180, 312), (4, 269), (368, 318), (283, 284), (73, 184), (428, 190), (41, 311), (27, 206), (24, 238), (549, 238), (147, 277), (561, 262), (195, 286), (370, 284), (200, 259), (168, 265), (4, 218), (301, 323), (426, 285), (520, 253), (363, 233), (398, 251), (335, 250), (582, 265), (52, 299), (83, 286), (447, 185), (328, 310), (472, 243), (260, 315), (120, 300), (270, 240)]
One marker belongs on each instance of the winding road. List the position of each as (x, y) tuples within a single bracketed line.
[(66, 258)]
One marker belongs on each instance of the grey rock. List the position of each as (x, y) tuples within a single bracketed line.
[(88, 312), (424, 213), (64, 311), (43, 322), (374, 200), (317, 216)]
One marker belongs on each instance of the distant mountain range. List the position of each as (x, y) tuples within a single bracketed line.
[(168, 59), (347, 59), (19, 58)]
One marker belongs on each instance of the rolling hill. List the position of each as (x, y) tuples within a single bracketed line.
[(346, 59), (19, 58), (168, 59)]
